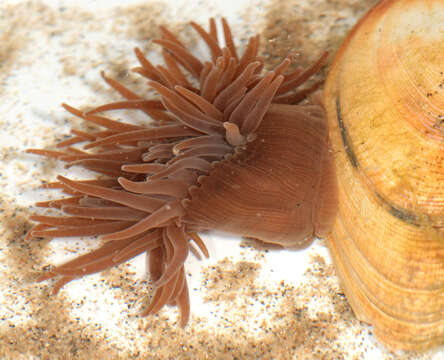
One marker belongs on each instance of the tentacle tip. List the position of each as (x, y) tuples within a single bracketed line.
[(158, 283), (62, 179), (55, 290), (186, 202), (251, 137), (144, 313), (45, 276), (28, 236), (33, 217), (153, 84), (176, 151), (232, 134), (90, 145)]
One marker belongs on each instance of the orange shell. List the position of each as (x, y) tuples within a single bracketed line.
[(385, 105)]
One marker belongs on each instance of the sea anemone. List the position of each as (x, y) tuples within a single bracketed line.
[(226, 147)]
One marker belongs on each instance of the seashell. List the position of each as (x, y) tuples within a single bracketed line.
[(228, 147), (384, 99)]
